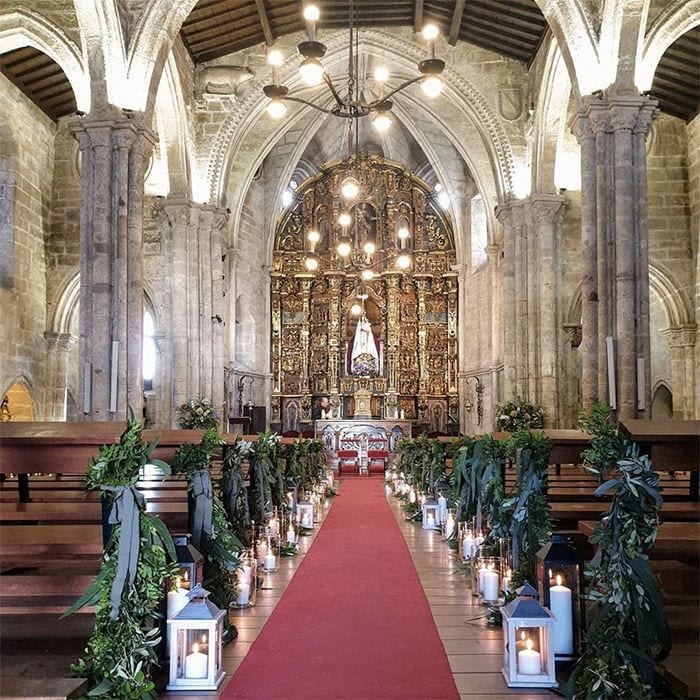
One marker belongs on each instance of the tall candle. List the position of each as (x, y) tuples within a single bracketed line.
[(482, 571), (196, 663), (442, 507), (506, 581), (177, 600), (490, 585), (270, 562), (262, 551), (291, 535), (449, 527), (430, 521), (561, 606), (243, 594), (529, 662), (467, 545)]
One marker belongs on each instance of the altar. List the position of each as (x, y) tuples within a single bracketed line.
[(368, 444)]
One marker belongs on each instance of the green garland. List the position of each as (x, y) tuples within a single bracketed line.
[(305, 461), (234, 494), (421, 460), (627, 631), (267, 488), (121, 650)]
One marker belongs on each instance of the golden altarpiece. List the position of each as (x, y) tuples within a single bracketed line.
[(412, 311)]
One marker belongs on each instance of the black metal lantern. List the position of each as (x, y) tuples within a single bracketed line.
[(559, 570), (189, 561)]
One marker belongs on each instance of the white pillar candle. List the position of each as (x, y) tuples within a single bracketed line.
[(529, 662), (262, 551), (274, 527), (482, 571), (449, 527), (306, 520), (177, 600), (243, 594), (270, 562), (490, 585), (430, 520), (467, 545), (442, 508), (196, 663), (291, 535), (560, 604), (506, 581)]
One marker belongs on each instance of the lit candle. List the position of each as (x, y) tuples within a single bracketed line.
[(177, 599), (243, 594), (442, 508), (449, 527), (562, 631), (196, 663), (291, 535), (306, 520), (412, 495), (262, 551), (529, 660), (274, 527), (186, 582), (270, 562), (430, 520), (506, 581), (490, 583), (482, 571)]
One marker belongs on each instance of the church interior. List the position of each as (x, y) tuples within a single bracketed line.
[(361, 240)]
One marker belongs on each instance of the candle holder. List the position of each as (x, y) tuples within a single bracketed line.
[(305, 514), (431, 514), (528, 656), (246, 581), (270, 561), (489, 581), (195, 644), (189, 561), (449, 528), (559, 570)]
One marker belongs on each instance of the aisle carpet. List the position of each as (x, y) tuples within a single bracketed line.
[(354, 621)]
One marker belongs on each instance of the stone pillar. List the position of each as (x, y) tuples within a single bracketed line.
[(114, 150), (58, 345), (197, 302), (504, 214), (493, 397), (521, 327), (547, 214), (616, 190), (681, 347)]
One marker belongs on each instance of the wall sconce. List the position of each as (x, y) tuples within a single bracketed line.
[(241, 386), (479, 387)]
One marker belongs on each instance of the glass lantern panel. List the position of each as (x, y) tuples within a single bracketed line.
[(489, 580), (193, 649), (530, 649)]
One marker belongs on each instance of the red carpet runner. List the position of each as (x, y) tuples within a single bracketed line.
[(354, 621)]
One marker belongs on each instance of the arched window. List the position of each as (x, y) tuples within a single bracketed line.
[(149, 350), (479, 232)]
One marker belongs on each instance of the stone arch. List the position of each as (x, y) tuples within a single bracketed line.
[(21, 403), (490, 139), (64, 317), (21, 27), (675, 20), (661, 401), (674, 301)]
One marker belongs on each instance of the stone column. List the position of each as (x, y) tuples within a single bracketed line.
[(521, 339), (681, 346), (493, 397), (547, 213), (504, 214), (114, 148), (58, 345)]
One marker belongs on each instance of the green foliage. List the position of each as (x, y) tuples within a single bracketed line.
[(305, 462), (421, 460), (121, 652), (190, 458), (530, 524), (518, 414), (607, 445), (234, 494), (628, 631)]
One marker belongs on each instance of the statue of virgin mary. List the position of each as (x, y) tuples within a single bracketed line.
[(365, 356)]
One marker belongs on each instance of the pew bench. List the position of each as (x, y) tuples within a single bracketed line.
[(43, 688), (564, 511)]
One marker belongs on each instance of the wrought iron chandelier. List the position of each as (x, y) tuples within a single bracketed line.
[(353, 104)]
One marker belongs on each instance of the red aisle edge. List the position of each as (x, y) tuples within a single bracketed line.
[(354, 621)]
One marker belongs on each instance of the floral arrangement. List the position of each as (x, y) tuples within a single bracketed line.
[(197, 414), (364, 365), (516, 414)]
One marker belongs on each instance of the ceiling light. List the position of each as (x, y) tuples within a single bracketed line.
[(276, 109), (350, 188), (344, 219), (381, 122), (311, 71), (311, 13), (430, 32), (275, 58), (381, 75), (432, 86)]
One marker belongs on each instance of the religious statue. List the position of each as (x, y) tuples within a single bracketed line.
[(365, 356)]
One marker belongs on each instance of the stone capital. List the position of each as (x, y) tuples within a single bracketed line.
[(547, 208), (59, 341), (680, 336), (599, 118), (493, 254), (581, 128)]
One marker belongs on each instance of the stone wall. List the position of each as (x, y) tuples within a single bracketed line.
[(693, 136), (27, 149)]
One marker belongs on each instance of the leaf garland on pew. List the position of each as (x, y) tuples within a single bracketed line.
[(234, 494), (422, 461), (460, 479), (607, 445), (628, 630), (530, 524), (121, 650), (305, 461), (266, 481), (218, 544)]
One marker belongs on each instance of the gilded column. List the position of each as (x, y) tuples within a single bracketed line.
[(393, 281), (276, 283)]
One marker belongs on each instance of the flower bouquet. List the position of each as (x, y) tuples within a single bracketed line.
[(197, 414), (518, 413), (364, 365)]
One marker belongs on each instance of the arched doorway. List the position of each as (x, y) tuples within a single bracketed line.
[(662, 403), (17, 403)]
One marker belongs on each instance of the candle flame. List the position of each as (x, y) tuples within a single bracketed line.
[(558, 580), (187, 576), (528, 643), (522, 635), (490, 567), (178, 582), (509, 573), (204, 639), (195, 648), (550, 573)]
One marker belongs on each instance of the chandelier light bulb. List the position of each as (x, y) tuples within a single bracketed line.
[(311, 13), (311, 262), (356, 309), (369, 247), (350, 188), (404, 233), (382, 122), (344, 247), (311, 71), (403, 261), (344, 219), (381, 75), (430, 32), (275, 58), (276, 109), (432, 86), (313, 237), (367, 275)]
